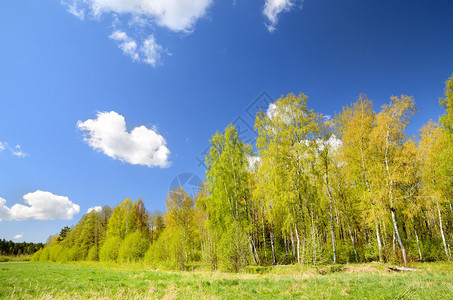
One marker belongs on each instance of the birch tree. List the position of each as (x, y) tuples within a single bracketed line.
[(388, 138)]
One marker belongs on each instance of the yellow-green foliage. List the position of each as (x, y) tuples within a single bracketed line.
[(133, 248), (93, 254), (157, 253), (351, 189), (109, 251), (233, 249)]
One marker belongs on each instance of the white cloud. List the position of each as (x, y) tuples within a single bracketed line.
[(176, 15), (149, 52), (4, 210), (95, 208), (17, 236), (272, 8), (126, 43), (78, 12), (281, 113), (333, 143), (41, 206), (142, 146), (271, 110), (254, 162), (18, 151)]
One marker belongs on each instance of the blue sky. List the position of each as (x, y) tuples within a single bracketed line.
[(175, 71)]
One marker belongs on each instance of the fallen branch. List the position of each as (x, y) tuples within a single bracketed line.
[(399, 269)]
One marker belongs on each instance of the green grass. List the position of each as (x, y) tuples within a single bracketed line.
[(60, 281)]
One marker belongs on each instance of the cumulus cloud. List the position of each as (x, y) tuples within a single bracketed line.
[(4, 210), (272, 8), (176, 15), (41, 206), (94, 208), (149, 52), (142, 146), (17, 236)]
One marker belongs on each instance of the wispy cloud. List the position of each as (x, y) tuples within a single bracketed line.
[(273, 8), (142, 146), (126, 43), (149, 52), (19, 152), (175, 15), (41, 206), (16, 151), (17, 236)]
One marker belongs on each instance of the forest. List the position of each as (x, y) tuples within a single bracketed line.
[(312, 190), (10, 248)]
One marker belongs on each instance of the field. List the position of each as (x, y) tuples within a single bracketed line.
[(59, 281)]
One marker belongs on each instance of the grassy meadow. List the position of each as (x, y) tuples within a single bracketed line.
[(31, 280)]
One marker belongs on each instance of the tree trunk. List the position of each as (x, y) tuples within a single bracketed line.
[(418, 244), (398, 237), (332, 231), (378, 238), (442, 231), (303, 245), (390, 187), (298, 243), (353, 243), (394, 245), (313, 236), (256, 252), (350, 230), (285, 242), (251, 248), (293, 247), (451, 209), (264, 234), (274, 260)]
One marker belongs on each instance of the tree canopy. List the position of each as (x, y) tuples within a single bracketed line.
[(313, 189)]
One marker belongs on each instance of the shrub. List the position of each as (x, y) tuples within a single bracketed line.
[(36, 255), (45, 254), (54, 252), (234, 248), (93, 254), (109, 251), (157, 253), (133, 248), (64, 255)]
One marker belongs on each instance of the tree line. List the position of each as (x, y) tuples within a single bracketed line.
[(353, 188), (10, 248)]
